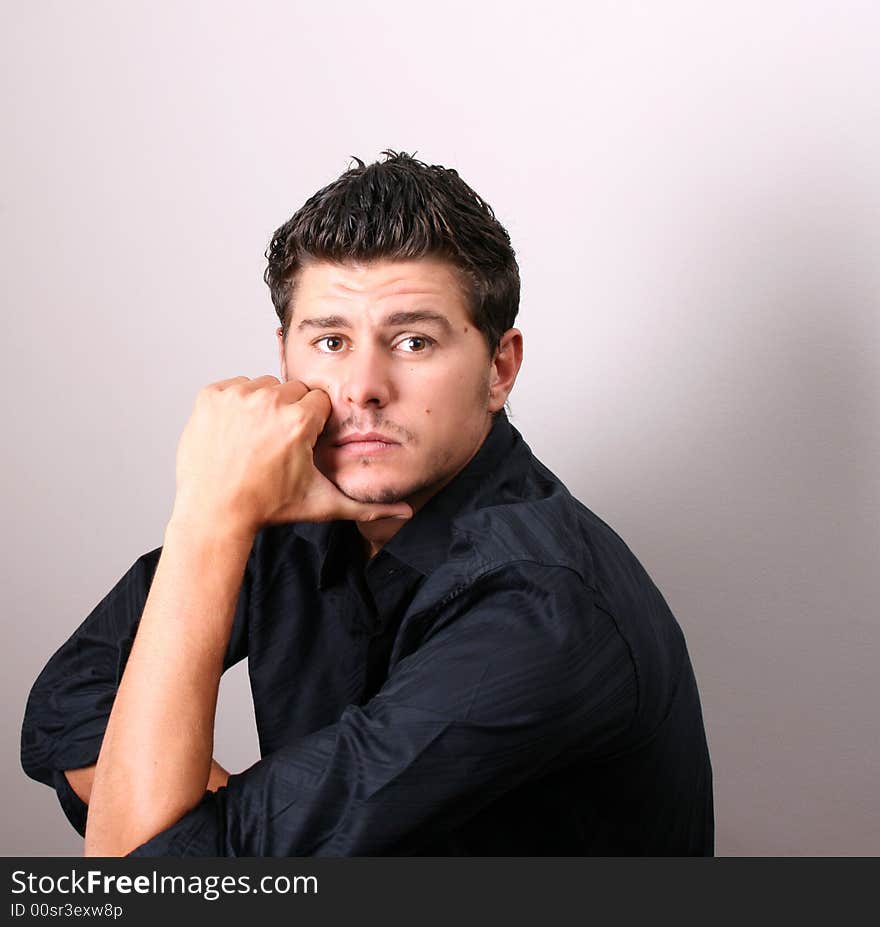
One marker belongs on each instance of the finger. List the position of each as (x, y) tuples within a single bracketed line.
[(251, 386), (315, 407), (327, 502), (292, 390), (368, 511), (221, 385)]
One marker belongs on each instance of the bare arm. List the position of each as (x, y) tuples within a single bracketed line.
[(161, 728), (81, 779)]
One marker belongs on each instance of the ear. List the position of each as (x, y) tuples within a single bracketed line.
[(279, 334), (505, 367)]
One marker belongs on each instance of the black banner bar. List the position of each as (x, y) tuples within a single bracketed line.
[(390, 891)]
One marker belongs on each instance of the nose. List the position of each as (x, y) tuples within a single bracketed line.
[(366, 378)]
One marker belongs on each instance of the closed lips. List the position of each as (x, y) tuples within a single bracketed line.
[(364, 438)]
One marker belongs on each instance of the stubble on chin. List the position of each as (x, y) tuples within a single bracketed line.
[(385, 490)]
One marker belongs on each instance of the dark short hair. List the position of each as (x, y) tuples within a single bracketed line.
[(401, 208)]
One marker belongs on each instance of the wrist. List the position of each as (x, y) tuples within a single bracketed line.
[(204, 546), (209, 532), (203, 570)]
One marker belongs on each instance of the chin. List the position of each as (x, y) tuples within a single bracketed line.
[(373, 488), (376, 493)]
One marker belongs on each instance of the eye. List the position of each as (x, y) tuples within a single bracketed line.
[(414, 344), (333, 344)]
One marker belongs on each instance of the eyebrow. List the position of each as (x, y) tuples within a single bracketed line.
[(395, 319)]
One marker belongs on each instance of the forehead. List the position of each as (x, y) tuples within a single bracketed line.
[(428, 282)]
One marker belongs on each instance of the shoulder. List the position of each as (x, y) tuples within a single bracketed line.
[(542, 558), (541, 524), (524, 607), (523, 644)]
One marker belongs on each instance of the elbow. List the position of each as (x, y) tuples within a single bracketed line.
[(80, 780), (107, 850), (110, 843)]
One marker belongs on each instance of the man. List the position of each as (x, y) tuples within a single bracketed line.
[(448, 653)]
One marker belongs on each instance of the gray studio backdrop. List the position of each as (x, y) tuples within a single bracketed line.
[(693, 190)]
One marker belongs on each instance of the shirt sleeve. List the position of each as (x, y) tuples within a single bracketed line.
[(516, 675), (69, 704)]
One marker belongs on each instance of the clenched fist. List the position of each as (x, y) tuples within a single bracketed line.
[(245, 460)]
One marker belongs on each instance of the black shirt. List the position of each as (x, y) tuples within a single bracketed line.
[(503, 678)]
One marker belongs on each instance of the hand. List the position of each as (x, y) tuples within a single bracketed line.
[(245, 459)]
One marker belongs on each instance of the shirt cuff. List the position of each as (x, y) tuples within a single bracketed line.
[(200, 832)]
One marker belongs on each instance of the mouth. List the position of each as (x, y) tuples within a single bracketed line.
[(370, 444)]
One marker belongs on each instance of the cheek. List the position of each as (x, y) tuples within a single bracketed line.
[(303, 368), (447, 395)]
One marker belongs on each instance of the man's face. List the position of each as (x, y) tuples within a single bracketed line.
[(408, 374)]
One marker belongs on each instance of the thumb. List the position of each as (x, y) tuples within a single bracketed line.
[(329, 502), (317, 407), (369, 513), (351, 509)]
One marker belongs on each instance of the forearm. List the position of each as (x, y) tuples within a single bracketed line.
[(81, 779), (155, 759)]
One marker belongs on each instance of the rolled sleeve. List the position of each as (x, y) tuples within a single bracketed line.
[(69, 704)]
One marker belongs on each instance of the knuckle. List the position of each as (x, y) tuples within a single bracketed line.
[(299, 423), (206, 394)]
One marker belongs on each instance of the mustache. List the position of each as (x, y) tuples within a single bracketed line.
[(363, 425)]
